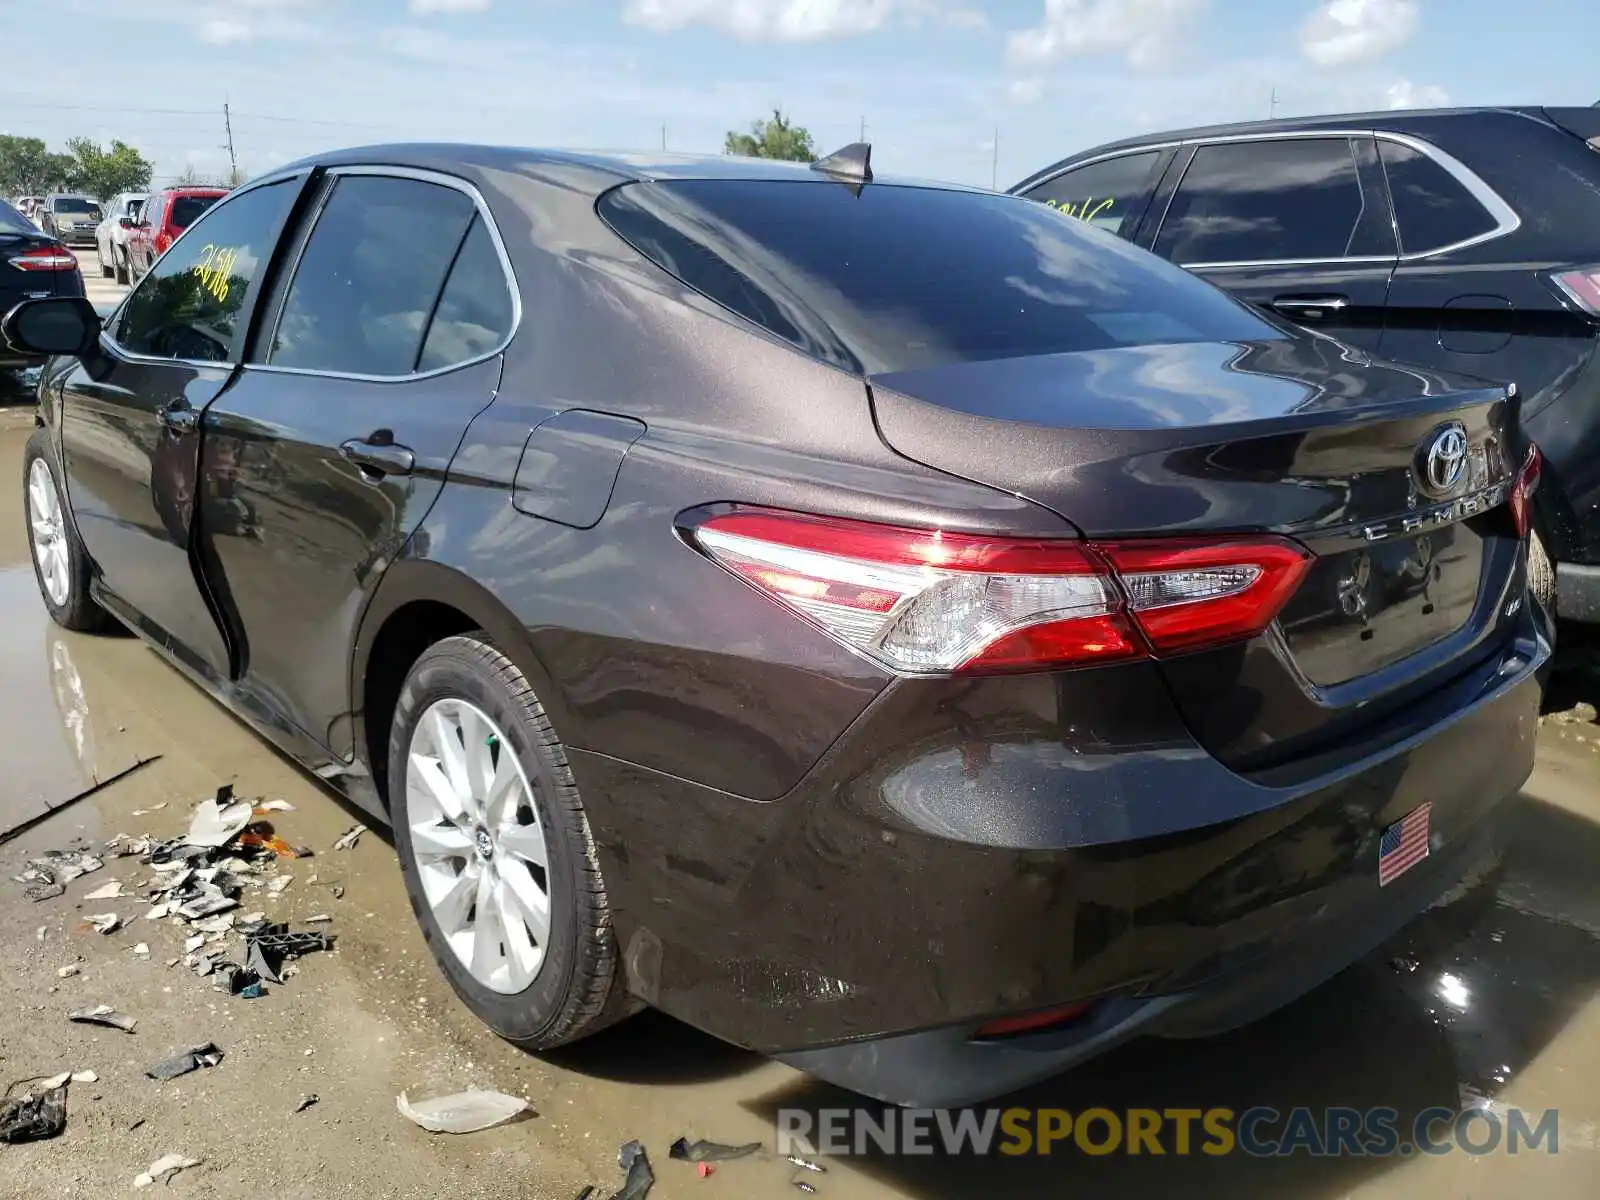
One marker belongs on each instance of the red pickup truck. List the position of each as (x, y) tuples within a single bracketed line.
[(165, 215)]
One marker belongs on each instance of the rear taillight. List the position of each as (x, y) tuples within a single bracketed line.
[(929, 601), (1582, 287), (44, 258), (1522, 490)]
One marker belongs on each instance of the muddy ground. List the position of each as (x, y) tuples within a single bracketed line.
[(1491, 999)]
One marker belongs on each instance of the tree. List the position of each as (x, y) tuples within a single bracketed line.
[(27, 168), (104, 173), (773, 138)]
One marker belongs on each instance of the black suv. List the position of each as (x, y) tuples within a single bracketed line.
[(1464, 239)]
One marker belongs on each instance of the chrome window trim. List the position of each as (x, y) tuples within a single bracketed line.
[(483, 212), (1504, 216), (110, 343)]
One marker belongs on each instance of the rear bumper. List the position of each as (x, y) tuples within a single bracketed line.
[(978, 848)]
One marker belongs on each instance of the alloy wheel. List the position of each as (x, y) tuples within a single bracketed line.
[(479, 845), (49, 533)]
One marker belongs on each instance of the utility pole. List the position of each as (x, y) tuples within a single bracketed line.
[(663, 138), (994, 177), (1272, 109), (233, 161), (863, 136)]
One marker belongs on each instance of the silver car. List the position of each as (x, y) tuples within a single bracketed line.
[(111, 235), (70, 219)]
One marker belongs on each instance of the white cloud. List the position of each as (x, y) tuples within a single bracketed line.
[(223, 31), (792, 20), (448, 6), (1025, 91), (1143, 30), (1346, 31), (1406, 94)]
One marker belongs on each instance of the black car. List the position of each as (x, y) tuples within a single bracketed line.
[(71, 219), (890, 626), (32, 265), (1459, 239)]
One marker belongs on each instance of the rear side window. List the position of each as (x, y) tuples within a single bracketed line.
[(370, 276), (1431, 206), (898, 278), (475, 313), (11, 221), (1296, 198), (186, 210), (1110, 194)]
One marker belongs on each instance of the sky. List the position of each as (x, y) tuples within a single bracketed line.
[(934, 81)]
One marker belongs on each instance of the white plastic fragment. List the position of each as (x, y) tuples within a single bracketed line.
[(464, 1112), (278, 885), (169, 1164), (103, 922), (111, 891), (275, 806), (193, 943), (145, 812), (68, 971), (214, 824), (348, 839), (142, 950)]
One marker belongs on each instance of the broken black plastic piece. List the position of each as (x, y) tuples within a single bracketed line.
[(852, 164), (686, 1151), (640, 1178), (306, 1102), (587, 1193), (34, 1118), (189, 1060)]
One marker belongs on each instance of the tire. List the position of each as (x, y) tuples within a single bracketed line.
[(119, 259), (61, 567), (1541, 573), (106, 271), (575, 990)]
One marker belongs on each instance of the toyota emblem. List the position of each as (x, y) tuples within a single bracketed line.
[(1442, 459)]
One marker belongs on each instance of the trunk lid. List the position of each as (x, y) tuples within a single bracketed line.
[(1301, 436)]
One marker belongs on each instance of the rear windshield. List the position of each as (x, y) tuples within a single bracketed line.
[(69, 204), (186, 210), (900, 278), (11, 221)]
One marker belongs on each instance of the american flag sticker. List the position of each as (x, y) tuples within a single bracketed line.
[(1403, 845)]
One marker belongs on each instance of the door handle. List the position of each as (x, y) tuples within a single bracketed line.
[(179, 417), (1310, 307), (377, 459)]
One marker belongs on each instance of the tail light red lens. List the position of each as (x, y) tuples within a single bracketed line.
[(44, 258), (1582, 287), (921, 600), (1527, 483)]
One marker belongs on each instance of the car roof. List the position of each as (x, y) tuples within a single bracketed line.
[(1386, 119), (598, 170)]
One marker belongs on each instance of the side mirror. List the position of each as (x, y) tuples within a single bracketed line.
[(56, 326), (125, 222)]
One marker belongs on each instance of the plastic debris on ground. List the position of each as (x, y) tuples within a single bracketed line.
[(805, 1164), (706, 1169), (640, 1178), (145, 812), (104, 1014), (272, 806), (686, 1151), (164, 1168), (34, 1117), (217, 821), (348, 839), (185, 1061), (102, 922), (306, 1102), (464, 1112), (809, 1189), (68, 971), (111, 891)]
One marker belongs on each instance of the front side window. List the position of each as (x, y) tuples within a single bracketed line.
[(1297, 198), (371, 276), (1110, 194), (1431, 206), (188, 305)]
